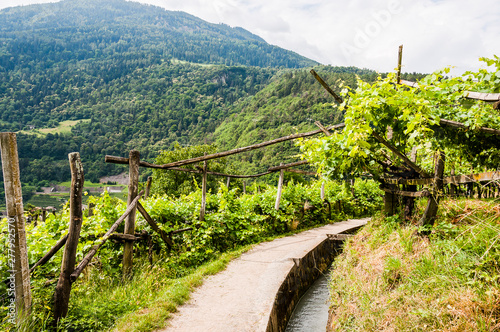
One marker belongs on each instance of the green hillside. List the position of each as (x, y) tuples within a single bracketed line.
[(105, 77)]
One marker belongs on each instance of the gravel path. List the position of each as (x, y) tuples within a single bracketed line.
[(241, 297)]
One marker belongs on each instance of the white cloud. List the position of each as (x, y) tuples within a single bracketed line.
[(435, 33)]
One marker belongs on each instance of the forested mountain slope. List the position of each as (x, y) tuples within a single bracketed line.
[(133, 76)]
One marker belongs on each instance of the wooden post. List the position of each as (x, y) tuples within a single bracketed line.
[(453, 187), (389, 202), (203, 192), (18, 251), (133, 188), (409, 202), (244, 187), (63, 288), (400, 60), (227, 183), (280, 187), (322, 191), (432, 205), (148, 187)]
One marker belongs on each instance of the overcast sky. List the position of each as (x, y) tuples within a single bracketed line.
[(435, 33)]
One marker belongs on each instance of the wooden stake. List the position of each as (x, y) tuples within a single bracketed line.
[(280, 188), (133, 187), (148, 187), (432, 205), (327, 88), (63, 288), (154, 226), (322, 191), (408, 162), (400, 60), (244, 187), (453, 187), (203, 192), (18, 262), (227, 183)]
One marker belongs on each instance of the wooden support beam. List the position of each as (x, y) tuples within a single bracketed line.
[(148, 187), (124, 237), (17, 249), (432, 205), (400, 61), (154, 226), (182, 230), (407, 161), (488, 97), (423, 193), (338, 99), (88, 257), (119, 160), (456, 179), (323, 129), (280, 188), (460, 125), (203, 192), (133, 188), (299, 171), (63, 288), (283, 166)]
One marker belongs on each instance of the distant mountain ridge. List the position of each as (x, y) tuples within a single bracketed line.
[(83, 28)]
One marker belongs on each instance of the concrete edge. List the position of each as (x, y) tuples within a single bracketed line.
[(301, 276)]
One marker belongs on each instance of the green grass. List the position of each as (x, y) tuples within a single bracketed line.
[(389, 278), (63, 128)]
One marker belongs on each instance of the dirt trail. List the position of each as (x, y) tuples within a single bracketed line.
[(241, 297)]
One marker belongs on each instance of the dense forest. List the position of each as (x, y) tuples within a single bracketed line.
[(134, 76)]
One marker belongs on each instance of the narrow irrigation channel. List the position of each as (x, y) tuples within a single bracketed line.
[(311, 313), (308, 271)]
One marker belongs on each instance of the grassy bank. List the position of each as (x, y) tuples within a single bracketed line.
[(389, 278)]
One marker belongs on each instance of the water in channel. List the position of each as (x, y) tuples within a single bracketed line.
[(311, 313)]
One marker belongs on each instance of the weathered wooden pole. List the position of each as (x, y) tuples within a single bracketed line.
[(389, 201), (148, 187), (400, 60), (432, 205), (280, 188), (18, 252), (453, 187), (227, 183), (203, 192), (322, 191), (244, 187), (409, 202), (63, 288), (133, 188)]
